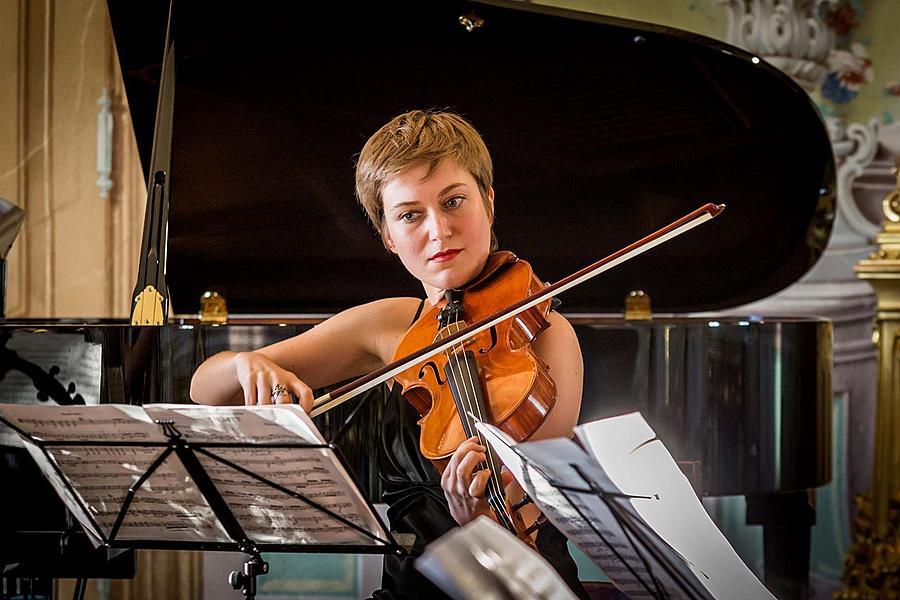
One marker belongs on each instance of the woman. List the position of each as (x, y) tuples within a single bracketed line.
[(425, 180)]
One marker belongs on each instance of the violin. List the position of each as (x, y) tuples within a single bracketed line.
[(456, 335), (493, 376)]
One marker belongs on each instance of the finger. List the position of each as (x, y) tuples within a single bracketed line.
[(263, 390), (249, 392), (280, 393), (458, 455), (470, 462), (506, 476), (465, 471), (479, 483), (304, 395), (466, 447)]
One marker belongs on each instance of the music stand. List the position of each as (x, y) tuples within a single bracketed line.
[(646, 564), (646, 543), (211, 510)]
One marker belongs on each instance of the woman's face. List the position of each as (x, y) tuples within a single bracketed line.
[(437, 225)]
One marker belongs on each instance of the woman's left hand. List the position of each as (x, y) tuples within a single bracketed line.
[(464, 486)]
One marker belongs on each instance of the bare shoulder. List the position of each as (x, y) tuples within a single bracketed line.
[(560, 331), (387, 313), (387, 320)]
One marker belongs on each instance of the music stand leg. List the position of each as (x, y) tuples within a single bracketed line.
[(245, 579), (80, 588)]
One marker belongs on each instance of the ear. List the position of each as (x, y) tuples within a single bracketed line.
[(388, 241), (491, 202)]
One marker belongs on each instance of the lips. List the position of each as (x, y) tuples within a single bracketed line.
[(445, 255)]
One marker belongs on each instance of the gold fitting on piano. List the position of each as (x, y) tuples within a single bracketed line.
[(213, 308), (471, 21), (149, 308), (637, 306)]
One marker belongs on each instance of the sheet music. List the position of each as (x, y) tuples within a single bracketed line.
[(45, 464), (169, 506), (102, 423), (268, 515), (275, 424), (78, 359), (636, 462), (609, 550)]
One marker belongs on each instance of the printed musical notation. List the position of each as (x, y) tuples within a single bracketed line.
[(623, 501), (107, 422), (268, 514), (94, 474), (167, 506), (589, 526), (281, 424)]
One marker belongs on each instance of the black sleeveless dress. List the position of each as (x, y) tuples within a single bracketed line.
[(412, 490)]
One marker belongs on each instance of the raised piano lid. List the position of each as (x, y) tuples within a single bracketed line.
[(601, 130)]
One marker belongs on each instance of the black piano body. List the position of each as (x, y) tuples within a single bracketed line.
[(601, 131)]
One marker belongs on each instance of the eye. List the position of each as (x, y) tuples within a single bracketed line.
[(454, 202), (407, 216)]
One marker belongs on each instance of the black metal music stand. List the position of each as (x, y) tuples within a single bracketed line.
[(188, 452), (647, 544), (656, 555)]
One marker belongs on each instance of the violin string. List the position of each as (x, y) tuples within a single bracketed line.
[(471, 406), (495, 492)]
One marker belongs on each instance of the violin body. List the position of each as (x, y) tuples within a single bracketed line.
[(517, 388)]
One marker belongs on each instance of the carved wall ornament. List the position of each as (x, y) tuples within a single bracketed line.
[(792, 35), (855, 146)]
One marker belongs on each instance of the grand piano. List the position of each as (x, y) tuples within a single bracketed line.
[(601, 131)]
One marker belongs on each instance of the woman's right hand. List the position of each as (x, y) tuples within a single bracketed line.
[(264, 382)]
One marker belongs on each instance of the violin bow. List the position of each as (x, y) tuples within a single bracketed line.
[(346, 392)]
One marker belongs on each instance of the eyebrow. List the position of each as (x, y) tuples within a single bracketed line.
[(441, 193)]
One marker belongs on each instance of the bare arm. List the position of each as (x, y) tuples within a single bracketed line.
[(350, 343), (558, 347)]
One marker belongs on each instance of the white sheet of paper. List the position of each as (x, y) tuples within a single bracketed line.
[(268, 515), (69, 499), (612, 552), (168, 506), (102, 423), (638, 463), (278, 423)]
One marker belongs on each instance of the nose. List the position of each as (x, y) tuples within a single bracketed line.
[(440, 227)]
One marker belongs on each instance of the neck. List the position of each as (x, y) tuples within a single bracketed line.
[(433, 294)]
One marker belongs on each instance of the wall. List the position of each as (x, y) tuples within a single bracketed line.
[(77, 251)]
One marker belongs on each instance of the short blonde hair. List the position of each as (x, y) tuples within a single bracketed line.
[(414, 138)]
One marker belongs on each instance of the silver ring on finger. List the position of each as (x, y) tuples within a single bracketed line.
[(278, 390)]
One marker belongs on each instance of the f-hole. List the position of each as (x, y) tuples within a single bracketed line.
[(434, 368), (493, 341)]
